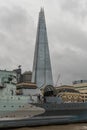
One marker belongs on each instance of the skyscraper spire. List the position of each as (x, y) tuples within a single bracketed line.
[(42, 73)]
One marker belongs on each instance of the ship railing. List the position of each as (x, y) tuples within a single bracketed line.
[(2, 86)]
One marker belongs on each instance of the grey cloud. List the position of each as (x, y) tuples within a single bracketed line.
[(16, 35), (70, 65), (76, 7), (70, 35), (68, 42)]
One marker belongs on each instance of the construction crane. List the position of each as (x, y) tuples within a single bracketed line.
[(57, 80)]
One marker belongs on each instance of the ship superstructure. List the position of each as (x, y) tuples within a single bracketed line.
[(12, 105)]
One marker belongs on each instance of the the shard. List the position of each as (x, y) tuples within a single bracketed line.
[(42, 72)]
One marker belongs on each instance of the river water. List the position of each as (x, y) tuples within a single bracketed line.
[(80, 126)]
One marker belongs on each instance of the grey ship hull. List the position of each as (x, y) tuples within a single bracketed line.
[(54, 114), (39, 121), (64, 109)]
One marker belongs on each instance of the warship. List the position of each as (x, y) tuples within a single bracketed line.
[(21, 111)]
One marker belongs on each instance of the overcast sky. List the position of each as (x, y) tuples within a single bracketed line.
[(66, 22)]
